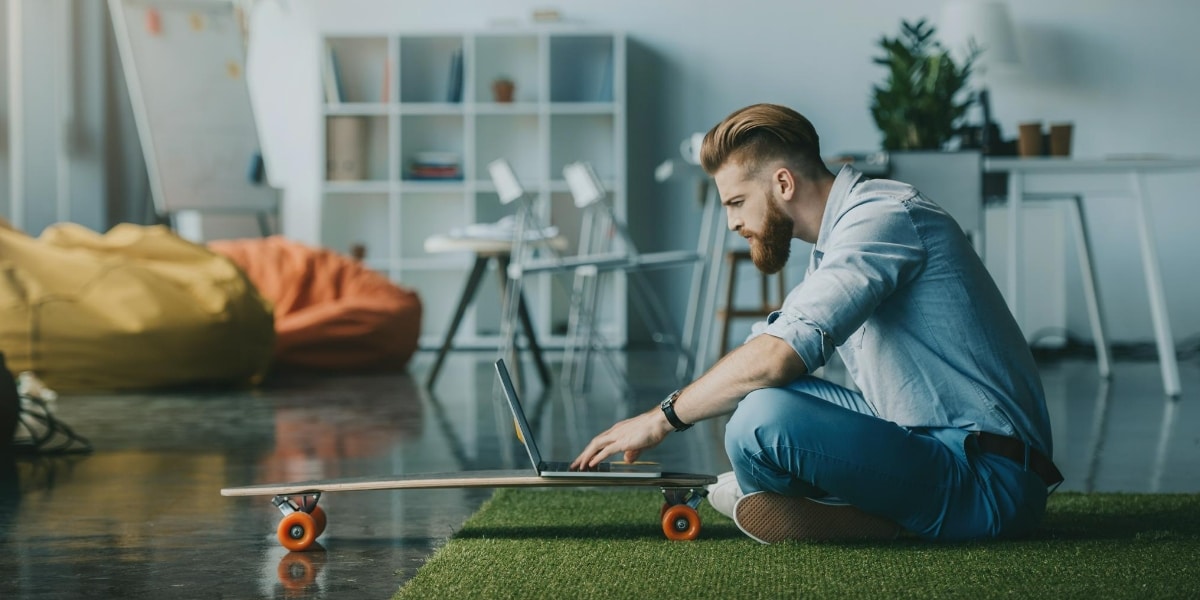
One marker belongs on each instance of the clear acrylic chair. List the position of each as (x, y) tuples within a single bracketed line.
[(605, 249)]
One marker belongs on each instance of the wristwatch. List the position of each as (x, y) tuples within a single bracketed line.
[(668, 408)]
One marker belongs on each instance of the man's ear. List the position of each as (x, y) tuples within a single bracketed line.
[(784, 182)]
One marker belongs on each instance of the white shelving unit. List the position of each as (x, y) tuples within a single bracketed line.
[(568, 105)]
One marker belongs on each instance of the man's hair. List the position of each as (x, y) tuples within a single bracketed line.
[(761, 134)]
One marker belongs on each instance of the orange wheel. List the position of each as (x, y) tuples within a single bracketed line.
[(297, 531), (318, 515), (681, 522), (296, 571), (662, 511)]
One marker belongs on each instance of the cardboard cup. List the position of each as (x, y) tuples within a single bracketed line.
[(1060, 139), (1029, 139)]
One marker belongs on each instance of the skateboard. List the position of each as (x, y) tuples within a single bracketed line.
[(303, 520)]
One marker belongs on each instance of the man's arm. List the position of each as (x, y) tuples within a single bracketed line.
[(764, 361)]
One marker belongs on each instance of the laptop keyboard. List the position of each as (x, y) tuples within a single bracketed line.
[(558, 466)]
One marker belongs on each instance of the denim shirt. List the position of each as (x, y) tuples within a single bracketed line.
[(895, 286)]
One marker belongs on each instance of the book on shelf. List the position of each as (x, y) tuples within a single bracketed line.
[(605, 94), (435, 166), (455, 91), (386, 93), (331, 77)]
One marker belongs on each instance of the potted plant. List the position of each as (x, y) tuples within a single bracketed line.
[(920, 103), (503, 88)]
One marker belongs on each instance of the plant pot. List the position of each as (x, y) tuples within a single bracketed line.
[(502, 90)]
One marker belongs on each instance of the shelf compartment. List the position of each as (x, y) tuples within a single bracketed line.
[(587, 138), (581, 68), (428, 65), (356, 148), (357, 219), (362, 68), (514, 57), (514, 138), (431, 133)]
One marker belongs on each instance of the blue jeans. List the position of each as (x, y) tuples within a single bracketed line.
[(814, 438)]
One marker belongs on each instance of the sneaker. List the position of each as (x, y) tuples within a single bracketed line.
[(770, 518), (724, 494)]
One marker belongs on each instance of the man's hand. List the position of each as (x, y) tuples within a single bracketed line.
[(632, 436), (762, 362)]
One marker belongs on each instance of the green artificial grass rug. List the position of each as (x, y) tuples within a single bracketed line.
[(609, 544)]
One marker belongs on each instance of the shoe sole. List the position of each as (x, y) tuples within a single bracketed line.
[(770, 518)]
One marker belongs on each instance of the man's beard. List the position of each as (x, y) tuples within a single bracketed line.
[(770, 249)]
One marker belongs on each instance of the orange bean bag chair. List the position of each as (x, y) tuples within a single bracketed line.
[(331, 312)]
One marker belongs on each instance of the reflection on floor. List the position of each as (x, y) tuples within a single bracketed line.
[(141, 518)]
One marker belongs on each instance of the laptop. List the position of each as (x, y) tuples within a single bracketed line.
[(544, 468)]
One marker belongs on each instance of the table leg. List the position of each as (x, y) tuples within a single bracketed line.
[(1154, 287), (463, 302), (1016, 190), (1091, 293)]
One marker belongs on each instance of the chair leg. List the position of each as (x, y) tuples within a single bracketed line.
[(463, 302), (526, 321), (726, 315)]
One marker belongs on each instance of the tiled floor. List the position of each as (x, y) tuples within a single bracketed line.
[(142, 517)]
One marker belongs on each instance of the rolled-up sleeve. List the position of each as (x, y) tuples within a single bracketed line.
[(872, 249)]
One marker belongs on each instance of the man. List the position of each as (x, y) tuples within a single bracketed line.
[(949, 438)]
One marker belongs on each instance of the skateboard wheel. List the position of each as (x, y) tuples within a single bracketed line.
[(319, 520), (297, 531), (662, 511), (681, 522)]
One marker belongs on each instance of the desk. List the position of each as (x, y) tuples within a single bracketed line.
[(1039, 173)]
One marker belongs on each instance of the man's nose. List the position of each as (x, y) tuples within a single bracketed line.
[(734, 224)]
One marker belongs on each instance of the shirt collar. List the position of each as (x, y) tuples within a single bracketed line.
[(845, 181)]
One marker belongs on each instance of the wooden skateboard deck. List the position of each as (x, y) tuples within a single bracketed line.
[(304, 521)]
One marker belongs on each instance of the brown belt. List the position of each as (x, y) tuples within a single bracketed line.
[(1015, 450)]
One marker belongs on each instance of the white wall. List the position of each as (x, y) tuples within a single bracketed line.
[(1123, 72), (64, 96)]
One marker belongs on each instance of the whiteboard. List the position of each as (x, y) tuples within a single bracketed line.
[(185, 65)]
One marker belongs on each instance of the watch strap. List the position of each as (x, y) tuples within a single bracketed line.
[(668, 408)]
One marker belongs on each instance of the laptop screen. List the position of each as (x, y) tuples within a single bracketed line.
[(510, 394)]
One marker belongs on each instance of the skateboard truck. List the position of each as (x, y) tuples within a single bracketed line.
[(680, 519), (689, 496), (290, 503)]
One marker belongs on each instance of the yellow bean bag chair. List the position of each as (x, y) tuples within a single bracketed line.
[(138, 307)]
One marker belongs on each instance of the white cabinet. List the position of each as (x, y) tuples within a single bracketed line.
[(417, 119)]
